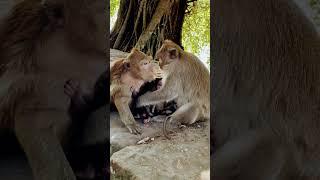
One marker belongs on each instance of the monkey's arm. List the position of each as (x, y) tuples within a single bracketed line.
[(122, 104), (42, 148), (164, 94)]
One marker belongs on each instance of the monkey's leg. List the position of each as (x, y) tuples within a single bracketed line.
[(122, 104), (186, 114), (43, 150)]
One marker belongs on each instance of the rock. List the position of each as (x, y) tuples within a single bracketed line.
[(185, 156), (120, 137), (205, 175), (115, 54)]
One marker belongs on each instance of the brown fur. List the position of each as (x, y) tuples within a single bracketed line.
[(18, 35), (186, 79), (118, 69), (127, 76), (39, 50), (266, 91)]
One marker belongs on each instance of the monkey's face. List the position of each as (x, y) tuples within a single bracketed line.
[(149, 69), (168, 53), (143, 66)]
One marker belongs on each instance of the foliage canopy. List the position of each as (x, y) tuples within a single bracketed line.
[(196, 27)]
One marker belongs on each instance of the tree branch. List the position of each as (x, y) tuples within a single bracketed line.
[(163, 7)]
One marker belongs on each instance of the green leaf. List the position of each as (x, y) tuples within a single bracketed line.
[(196, 30), (114, 5)]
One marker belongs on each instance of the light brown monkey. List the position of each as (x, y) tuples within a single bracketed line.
[(266, 92), (43, 44), (127, 76), (187, 80)]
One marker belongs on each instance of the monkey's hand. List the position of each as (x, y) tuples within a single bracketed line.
[(134, 128), (126, 115)]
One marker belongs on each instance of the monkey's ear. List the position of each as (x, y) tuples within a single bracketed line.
[(135, 54), (173, 53), (134, 50)]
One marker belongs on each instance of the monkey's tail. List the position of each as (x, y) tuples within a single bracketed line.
[(165, 133)]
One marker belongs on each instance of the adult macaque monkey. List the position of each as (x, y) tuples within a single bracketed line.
[(43, 44), (266, 91), (127, 76), (187, 80)]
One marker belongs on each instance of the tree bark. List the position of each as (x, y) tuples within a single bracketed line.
[(144, 24)]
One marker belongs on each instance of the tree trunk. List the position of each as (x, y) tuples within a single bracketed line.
[(144, 24)]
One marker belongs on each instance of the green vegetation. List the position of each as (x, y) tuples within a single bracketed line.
[(196, 29), (114, 5)]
